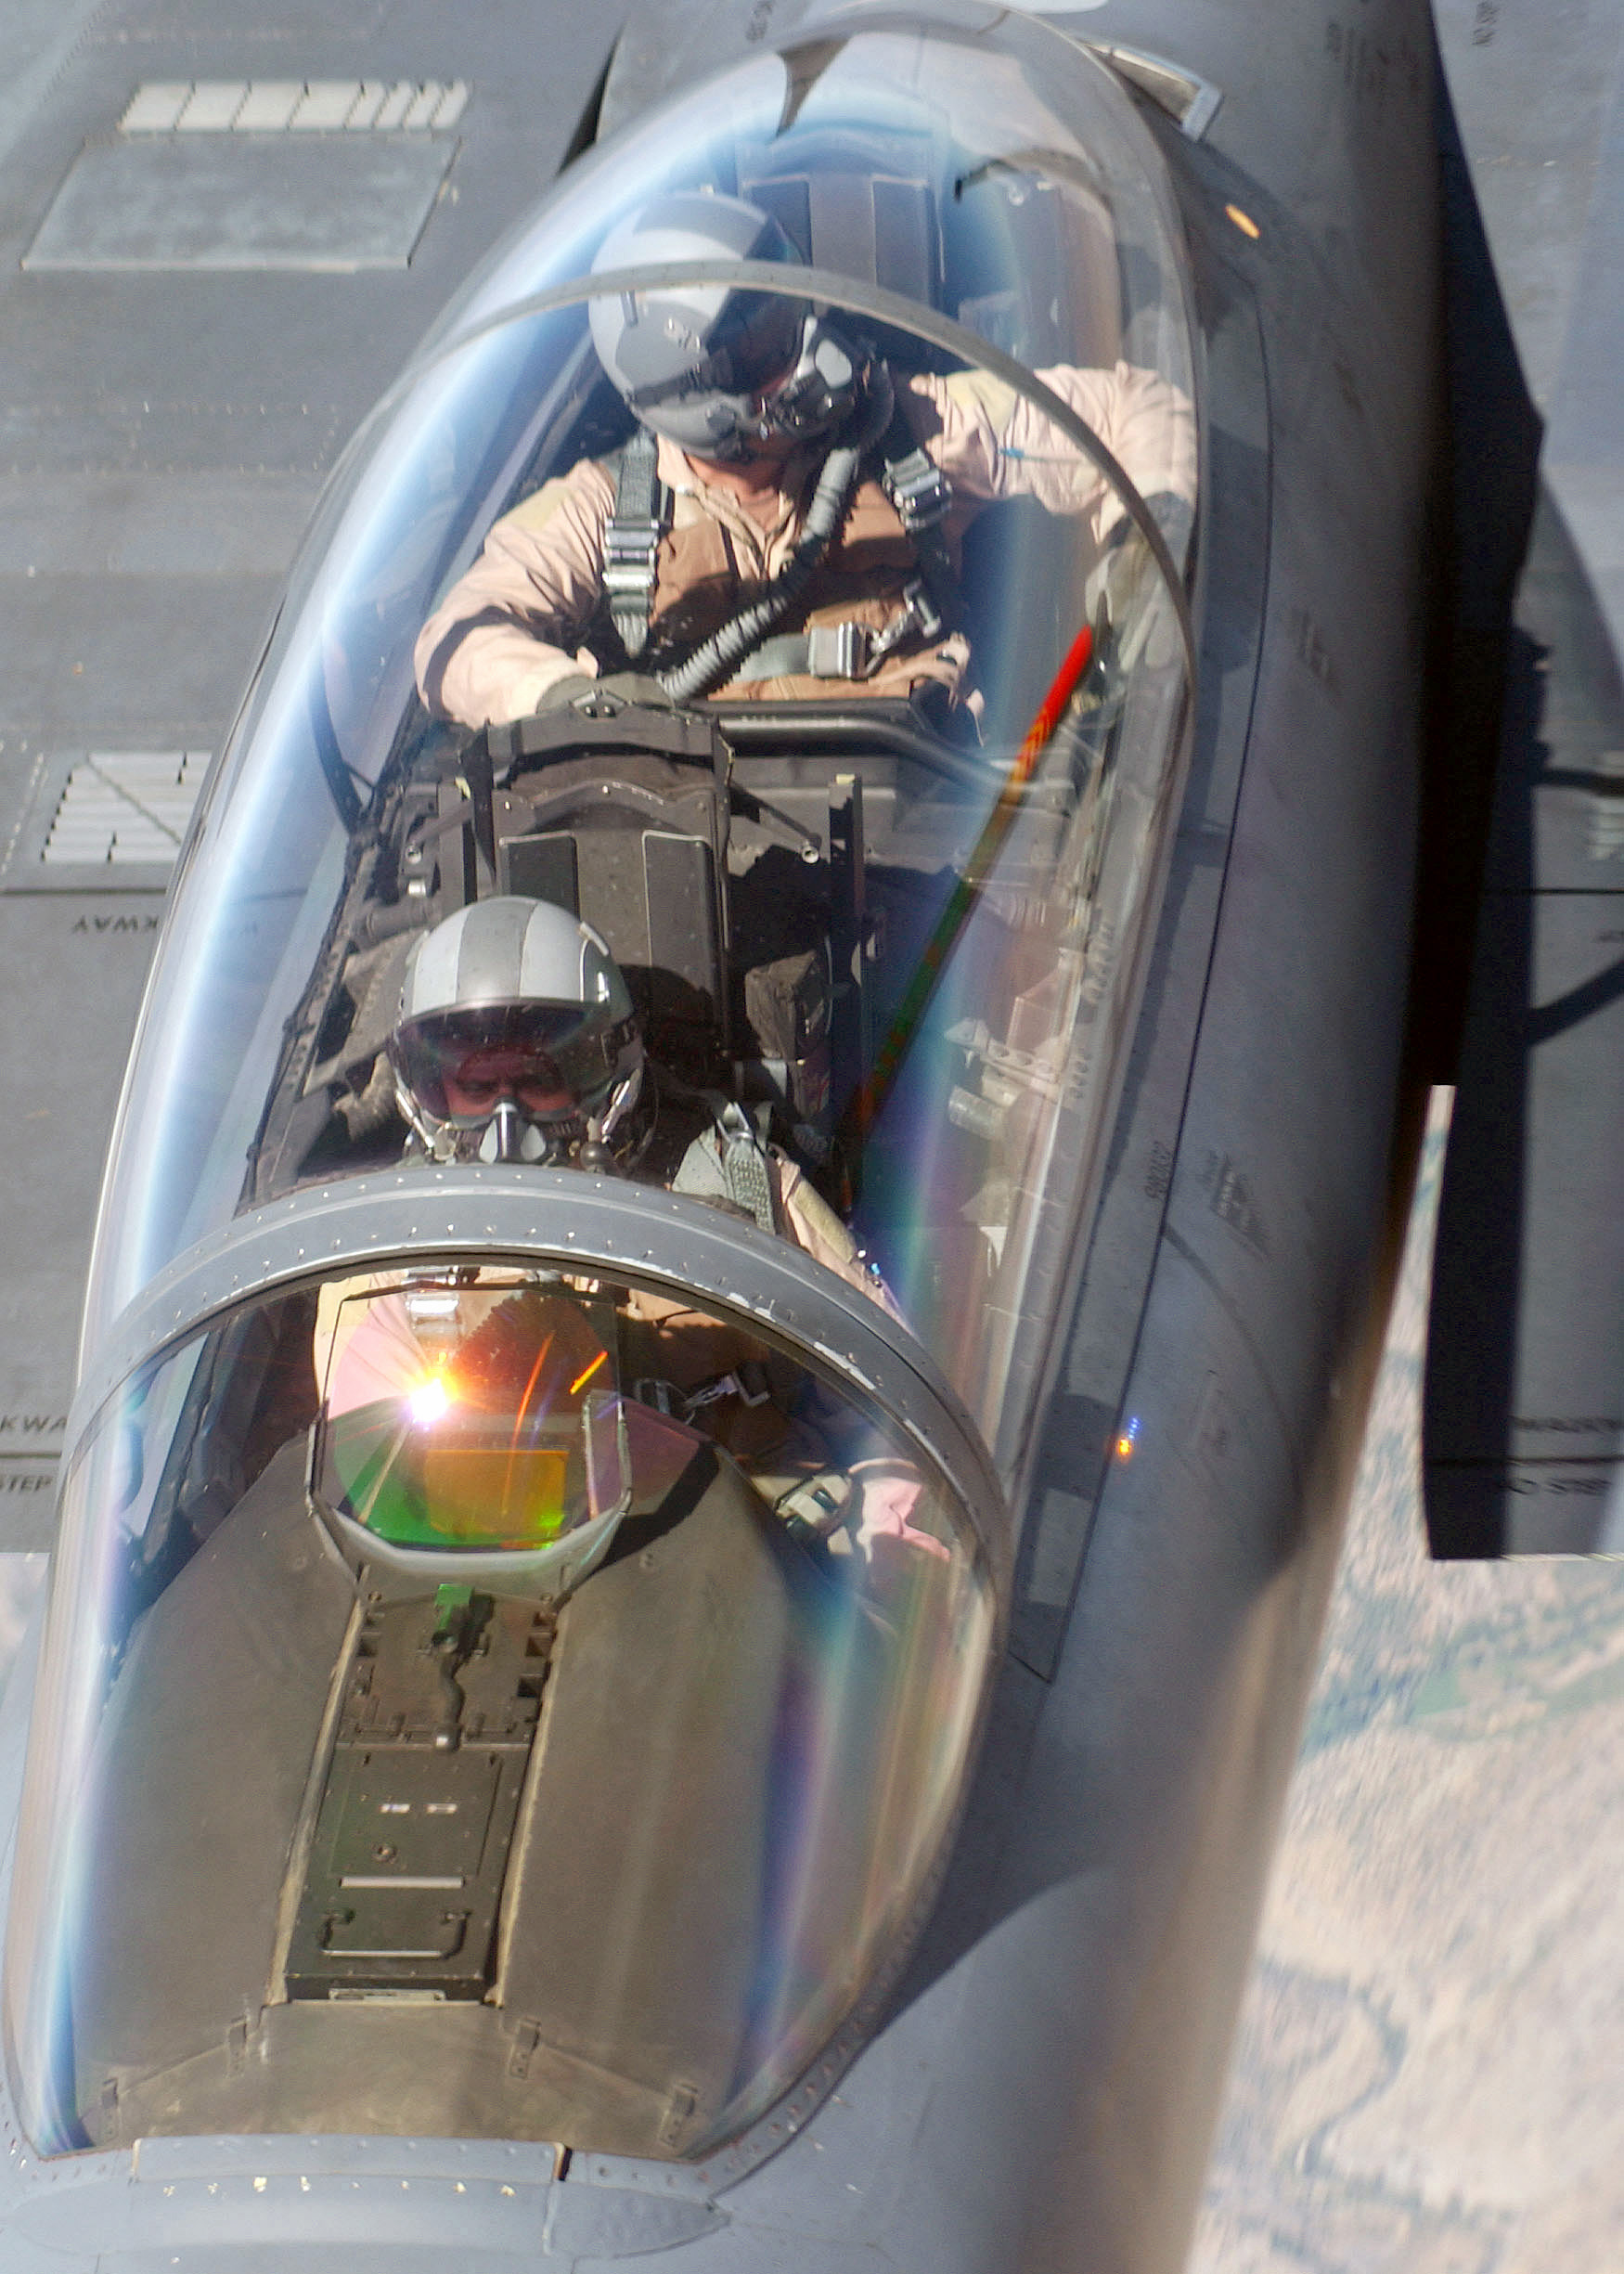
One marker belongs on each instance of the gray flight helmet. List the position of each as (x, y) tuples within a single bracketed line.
[(714, 367), (516, 1039)]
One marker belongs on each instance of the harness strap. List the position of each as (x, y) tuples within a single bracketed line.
[(744, 1166), (921, 494), (850, 649), (631, 541)]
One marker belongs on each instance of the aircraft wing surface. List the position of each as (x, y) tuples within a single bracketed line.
[(222, 231), (1524, 1422)]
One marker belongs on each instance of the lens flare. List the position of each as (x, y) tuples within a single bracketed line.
[(429, 1401)]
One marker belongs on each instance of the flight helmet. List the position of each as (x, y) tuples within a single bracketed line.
[(717, 367), (516, 1039)]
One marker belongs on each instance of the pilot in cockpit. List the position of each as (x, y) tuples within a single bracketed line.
[(786, 519), (516, 1041)]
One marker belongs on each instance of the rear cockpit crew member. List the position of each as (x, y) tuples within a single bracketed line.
[(786, 519), (516, 1041)]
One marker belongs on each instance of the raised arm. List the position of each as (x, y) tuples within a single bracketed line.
[(991, 441)]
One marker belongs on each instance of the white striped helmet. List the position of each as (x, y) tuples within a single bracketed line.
[(516, 1039)]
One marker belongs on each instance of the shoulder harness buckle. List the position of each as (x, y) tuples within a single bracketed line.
[(921, 496), (631, 541)]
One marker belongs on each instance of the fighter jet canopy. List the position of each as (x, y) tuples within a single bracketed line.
[(520, 1630)]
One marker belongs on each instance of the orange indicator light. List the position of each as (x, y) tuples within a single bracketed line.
[(1125, 1448)]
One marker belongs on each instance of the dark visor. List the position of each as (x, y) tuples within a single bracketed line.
[(551, 1049), (760, 337), (753, 349)]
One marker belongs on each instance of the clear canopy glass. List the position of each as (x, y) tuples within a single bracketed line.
[(480, 1701), (490, 1700), (934, 1017)]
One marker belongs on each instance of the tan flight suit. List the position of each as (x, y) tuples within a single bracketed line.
[(514, 625)]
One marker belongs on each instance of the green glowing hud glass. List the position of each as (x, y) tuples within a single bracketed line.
[(467, 1416)]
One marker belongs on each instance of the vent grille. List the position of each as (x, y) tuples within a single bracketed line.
[(125, 807), (295, 105)]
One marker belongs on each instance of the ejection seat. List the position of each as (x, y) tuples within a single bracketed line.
[(624, 816), (893, 209), (628, 829)]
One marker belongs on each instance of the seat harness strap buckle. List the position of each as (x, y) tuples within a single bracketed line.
[(921, 496), (631, 541), (839, 650)]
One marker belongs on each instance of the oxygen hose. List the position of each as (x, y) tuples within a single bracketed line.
[(716, 658)]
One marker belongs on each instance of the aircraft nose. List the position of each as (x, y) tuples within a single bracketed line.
[(285, 2205)]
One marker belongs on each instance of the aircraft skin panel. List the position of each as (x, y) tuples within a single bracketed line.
[(1042, 2090), (166, 437), (1088, 1401), (97, 946), (1523, 1433), (1267, 1650), (1546, 148), (1218, 1428)]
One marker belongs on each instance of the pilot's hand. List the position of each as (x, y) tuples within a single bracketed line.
[(888, 1493), (1131, 608)]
